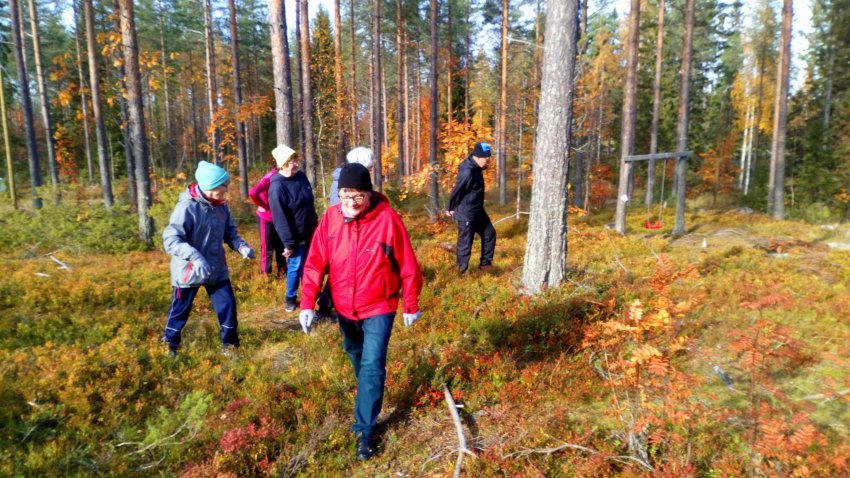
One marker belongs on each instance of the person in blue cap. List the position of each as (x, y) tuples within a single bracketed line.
[(198, 226), (466, 206)]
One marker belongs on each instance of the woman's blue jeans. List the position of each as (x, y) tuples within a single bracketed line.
[(365, 342), (294, 269)]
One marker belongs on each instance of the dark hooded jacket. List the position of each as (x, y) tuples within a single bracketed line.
[(467, 199), (293, 210)]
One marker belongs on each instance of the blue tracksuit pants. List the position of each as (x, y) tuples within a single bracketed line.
[(223, 301)]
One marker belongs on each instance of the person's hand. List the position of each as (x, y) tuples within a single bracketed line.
[(409, 319), (200, 268), (450, 213), (287, 252), (247, 252), (261, 209), (306, 319)]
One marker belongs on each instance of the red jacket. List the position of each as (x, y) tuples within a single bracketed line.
[(368, 259)]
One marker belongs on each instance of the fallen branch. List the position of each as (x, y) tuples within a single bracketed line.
[(511, 216), (624, 459), (459, 429), (62, 265)]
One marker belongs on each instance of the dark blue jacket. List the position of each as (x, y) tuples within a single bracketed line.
[(467, 199), (293, 209)]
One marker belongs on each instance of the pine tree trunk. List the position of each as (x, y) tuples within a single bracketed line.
[(307, 97), (299, 54), (546, 249), (627, 136), (449, 63), (502, 163), (377, 113), (138, 135), (282, 73), (432, 134), (237, 101), (780, 115), (129, 160), (339, 113), (656, 106), (353, 106), (84, 107), (681, 173), (171, 146), (52, 166), (194, 105), (400, 122), (103, 158), (10, 172), (212, 84)]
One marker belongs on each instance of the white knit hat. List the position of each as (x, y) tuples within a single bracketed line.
[(281, 154), (360, 155)]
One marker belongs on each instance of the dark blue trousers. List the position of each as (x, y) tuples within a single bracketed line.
[(365, 342), (466, 231), (223, 301)]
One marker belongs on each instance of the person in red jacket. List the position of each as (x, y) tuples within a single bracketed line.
[(362, 245)]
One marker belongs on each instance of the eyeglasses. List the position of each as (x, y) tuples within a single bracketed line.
[(357, 198)]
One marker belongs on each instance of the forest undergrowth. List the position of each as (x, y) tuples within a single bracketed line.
[(720, 353)]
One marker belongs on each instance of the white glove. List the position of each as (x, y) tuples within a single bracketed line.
[(246, 251), (306, 318), (200, 268), (409, 319)]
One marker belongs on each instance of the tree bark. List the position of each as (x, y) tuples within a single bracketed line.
[(237, 101), (339, 114), (627, 137), (502, 163), (449, 62), (212, 83), (307, 96), (377, 110), (546, 249), (84, 107), (52, 166), (129, 160), (780, 115), (400, 121), (282, 73), (138, 135), (432, 134), (169, 130), (10, 172), (103, 158), (656, 106), (26, 104), (684, 119), (353, 106)]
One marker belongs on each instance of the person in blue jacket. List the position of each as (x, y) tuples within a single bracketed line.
[(466, 206), (198, 226), (294, 217)]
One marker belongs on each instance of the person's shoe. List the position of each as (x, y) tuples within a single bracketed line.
[(229, 350), (486, 268), (291, 305), (172, 349), (365, 447)]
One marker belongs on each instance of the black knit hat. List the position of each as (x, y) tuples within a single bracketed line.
[(481, 150), (355, 176)]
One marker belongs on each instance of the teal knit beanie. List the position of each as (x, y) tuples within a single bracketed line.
[(210, 176)]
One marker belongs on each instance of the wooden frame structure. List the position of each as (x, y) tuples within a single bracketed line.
[(681, 158)]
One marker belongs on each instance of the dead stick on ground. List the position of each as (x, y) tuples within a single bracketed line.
[(461, 439)]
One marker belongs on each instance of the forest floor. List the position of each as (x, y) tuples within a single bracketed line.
[(720, 353)]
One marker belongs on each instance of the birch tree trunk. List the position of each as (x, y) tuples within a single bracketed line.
[(52, 166), (546, 249), (237, 101), (432, 134), (138, 135), (103, 159), (307, 97), (282, 73), (627, 136), (681, 173), (502, 162), (780, 115)]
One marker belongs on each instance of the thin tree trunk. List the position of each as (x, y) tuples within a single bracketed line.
[(10, 172), (656, 106), (299, 54), (780, 115), (627, 138), (237, 101), (406, 112), (129, 160), (169, 130), (400, 123), (755, 139), (377, 113), (432, 134), (467, 63), (307, 96), (546, 250), (827, 94), (503, 107), (84, 107), (339, 113), (353, 106), (684, 118), (103, 158), (52, 166), (282, 73), (194, 105), (212, 83), (449, 64), (137, 119)]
